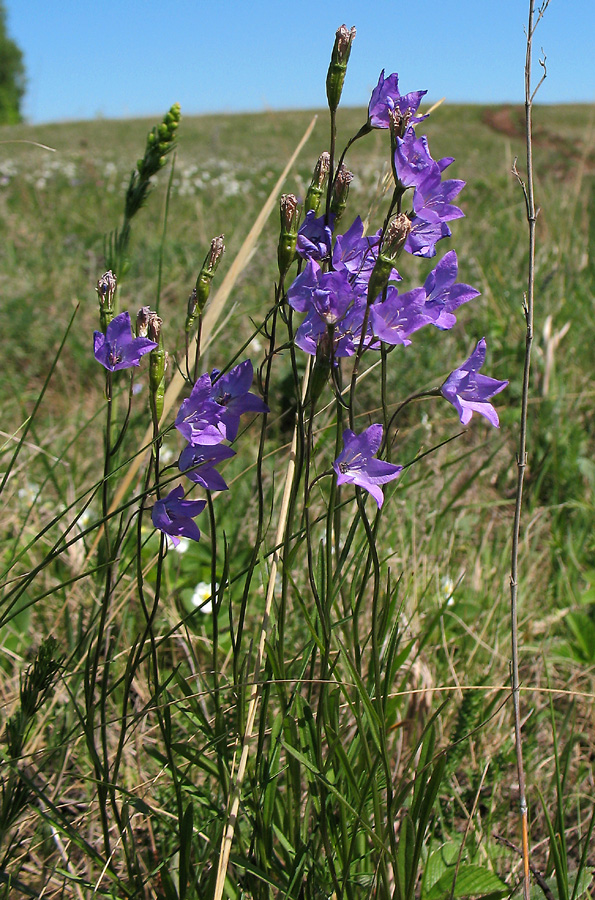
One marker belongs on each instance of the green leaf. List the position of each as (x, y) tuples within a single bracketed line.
[(472, 881)]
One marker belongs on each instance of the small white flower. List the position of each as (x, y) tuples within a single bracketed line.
[(201, 598), (181, 547), (447, 587)]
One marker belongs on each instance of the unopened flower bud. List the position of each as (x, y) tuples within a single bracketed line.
[(289, 209), (318, 182), (154, 324), (340, 192), (106, 288), (142, 321), (200, 294), (394, 240), (338, 65), (157, 366)]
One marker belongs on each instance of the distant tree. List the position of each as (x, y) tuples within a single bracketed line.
[(12, 75)]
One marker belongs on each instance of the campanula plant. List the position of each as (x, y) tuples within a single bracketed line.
[(260, 714)]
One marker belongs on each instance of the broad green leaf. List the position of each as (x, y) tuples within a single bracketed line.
[(472, 881)]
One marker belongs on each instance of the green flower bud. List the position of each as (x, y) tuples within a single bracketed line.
[(157, 365), (338, 66), (315, 191), (289, 210), (200, 294), (340, 192), (392, 245)]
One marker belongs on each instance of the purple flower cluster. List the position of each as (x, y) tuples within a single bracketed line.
[(342, 271), (432, 207), (209, 416), (335, 301)]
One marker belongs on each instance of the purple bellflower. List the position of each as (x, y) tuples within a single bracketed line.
[(432, 210), (358, 254), (211, 413), (386, 97), (314, 237), (175, 516), (470, 392), (397, 317), (432, 197), (443, 295), (424, 236), (198, 464), (356, 465), (199, 417), (413, 161), (341, 339), (117, 348), (231, 392)]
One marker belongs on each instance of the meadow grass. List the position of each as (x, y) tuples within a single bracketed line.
[(410, 712)]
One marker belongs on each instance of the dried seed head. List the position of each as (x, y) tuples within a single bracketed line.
[(142, 321), (394, 240), (290, 213), (338, 65), (343, 40), (396, 234), (154, 327), (214, 255), (340, 191), (106, 288), (319, 177), (289, 209)]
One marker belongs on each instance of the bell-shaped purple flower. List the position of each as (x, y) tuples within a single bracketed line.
[(356, 464), (443, 295), (386, 97), (358, 254), (424, 236), (175, 516), (231, 392), (199, 417), (117, 348), (470, 392), (413, 161), (431, 200), (198, 464), (314, 237), (397, 317)]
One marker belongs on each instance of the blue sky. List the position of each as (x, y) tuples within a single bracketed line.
[(120, 58)]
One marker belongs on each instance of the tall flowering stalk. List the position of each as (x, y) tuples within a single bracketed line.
[(528, 310)]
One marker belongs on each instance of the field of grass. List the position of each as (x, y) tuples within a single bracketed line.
[(443, 542)]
